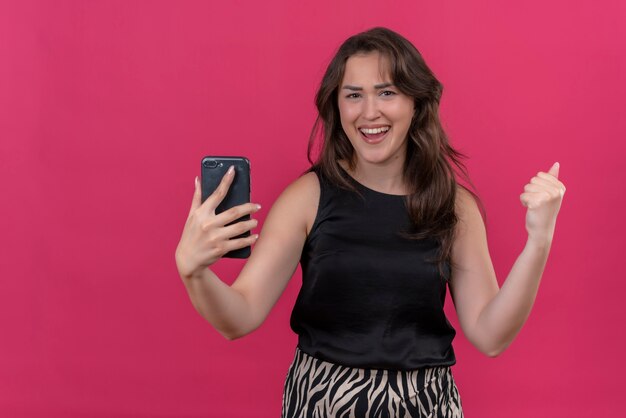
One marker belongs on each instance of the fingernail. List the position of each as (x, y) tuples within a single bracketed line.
[(231, 169), (258, 206)]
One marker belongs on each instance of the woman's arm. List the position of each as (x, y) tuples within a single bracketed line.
[(239, 309), (491, 317)]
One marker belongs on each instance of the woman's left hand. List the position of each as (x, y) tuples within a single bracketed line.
[(543, 196)]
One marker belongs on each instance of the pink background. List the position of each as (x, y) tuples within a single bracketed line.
[(106, 108)]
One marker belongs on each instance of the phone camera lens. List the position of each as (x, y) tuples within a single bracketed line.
[(210, 164)]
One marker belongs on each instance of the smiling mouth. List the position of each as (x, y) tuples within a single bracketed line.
[(374, 135)]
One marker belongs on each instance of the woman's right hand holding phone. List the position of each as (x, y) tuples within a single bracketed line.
[(206, 238)]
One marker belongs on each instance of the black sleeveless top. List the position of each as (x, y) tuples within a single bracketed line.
[(368, 297)]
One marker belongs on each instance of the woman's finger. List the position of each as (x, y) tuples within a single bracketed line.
[(533, 188), (537, 187), (548, 177), (219, 194), (238, 243), (542, 182), (533, 200), (236, 212), (197, 196), (553, 180), (237, 229)]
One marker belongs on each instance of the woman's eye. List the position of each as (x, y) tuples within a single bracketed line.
[(387, 93), (353, 95)]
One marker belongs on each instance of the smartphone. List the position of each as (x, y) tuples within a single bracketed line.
[(212, 171)]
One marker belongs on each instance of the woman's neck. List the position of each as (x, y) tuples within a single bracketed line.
[(385, 178)]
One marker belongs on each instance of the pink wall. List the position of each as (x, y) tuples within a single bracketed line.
[(106, 108)]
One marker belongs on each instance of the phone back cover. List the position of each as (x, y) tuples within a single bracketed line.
[(213, 170)]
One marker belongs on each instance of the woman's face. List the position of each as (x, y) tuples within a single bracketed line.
[(375, 115)]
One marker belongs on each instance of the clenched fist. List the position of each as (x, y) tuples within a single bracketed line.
[(543, 197)]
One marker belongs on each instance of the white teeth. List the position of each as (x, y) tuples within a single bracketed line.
[(375, 130)]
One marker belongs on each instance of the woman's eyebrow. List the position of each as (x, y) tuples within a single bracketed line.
[(376, 87)]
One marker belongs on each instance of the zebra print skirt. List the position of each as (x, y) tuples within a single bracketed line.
[(318, 389)]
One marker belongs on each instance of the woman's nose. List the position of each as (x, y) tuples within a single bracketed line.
[(371, 110)]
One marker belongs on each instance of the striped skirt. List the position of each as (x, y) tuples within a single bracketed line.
[(318, 389)]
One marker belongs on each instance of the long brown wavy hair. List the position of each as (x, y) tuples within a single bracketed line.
[(428, 170)]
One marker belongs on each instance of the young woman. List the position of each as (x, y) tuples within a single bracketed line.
[(381, 227)]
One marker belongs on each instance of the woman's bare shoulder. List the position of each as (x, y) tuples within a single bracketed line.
[(305, 187), (466, 204), (300, 200)]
